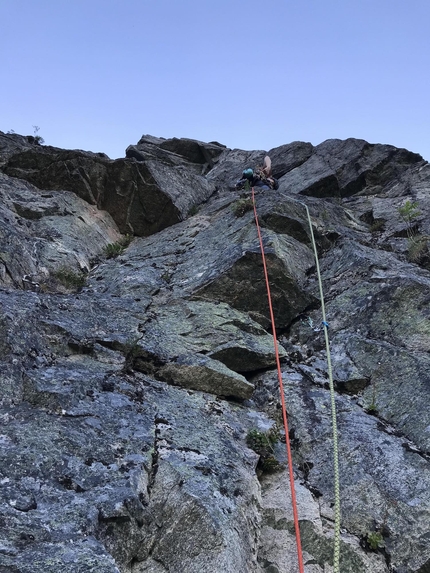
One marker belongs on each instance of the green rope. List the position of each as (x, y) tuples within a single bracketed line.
[(336, 551)]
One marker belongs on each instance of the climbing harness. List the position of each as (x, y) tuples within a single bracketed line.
[(336, 550)]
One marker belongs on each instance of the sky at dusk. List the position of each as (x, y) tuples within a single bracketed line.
[(98, 75)]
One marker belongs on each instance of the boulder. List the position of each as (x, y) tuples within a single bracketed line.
[(287, 157)]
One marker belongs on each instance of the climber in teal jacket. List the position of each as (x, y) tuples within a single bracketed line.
[(260, 178)]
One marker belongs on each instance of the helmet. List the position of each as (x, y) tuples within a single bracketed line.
[(248, 173)]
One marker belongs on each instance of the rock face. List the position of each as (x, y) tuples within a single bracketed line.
[(142, 196), (138, 375)]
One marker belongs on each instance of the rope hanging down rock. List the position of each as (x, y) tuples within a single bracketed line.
[(281, 388), (336, 549)]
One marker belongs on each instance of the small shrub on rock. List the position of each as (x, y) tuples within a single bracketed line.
[(375, 540), (70, 278), (242, 206), (417, 249), (113, 250), (409, 212), (263, 444), (38, 139), (193, 211)]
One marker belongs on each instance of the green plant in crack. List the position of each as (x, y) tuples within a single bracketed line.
[(375, 540), (377, 226), (242, 206), (417, 248), (325, 215), (130, 351), (193, 210), (417, 244), (263, 444), (70, 278), (372, 408), (113, 250), (270, 464), (409, 212)]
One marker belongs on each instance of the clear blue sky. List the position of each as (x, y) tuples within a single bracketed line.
[(96, 75)]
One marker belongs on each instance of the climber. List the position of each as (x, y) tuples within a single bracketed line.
[(260, 178)]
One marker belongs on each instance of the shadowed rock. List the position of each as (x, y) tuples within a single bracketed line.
[(198, 153), (142, 196), (339, 168)]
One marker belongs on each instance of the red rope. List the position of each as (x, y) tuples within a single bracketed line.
[(281, 389)]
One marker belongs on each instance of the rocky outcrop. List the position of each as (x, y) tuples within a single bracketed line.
[(205, 155), (43, 233), (152, 189), (129, 396), (343, 168)]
